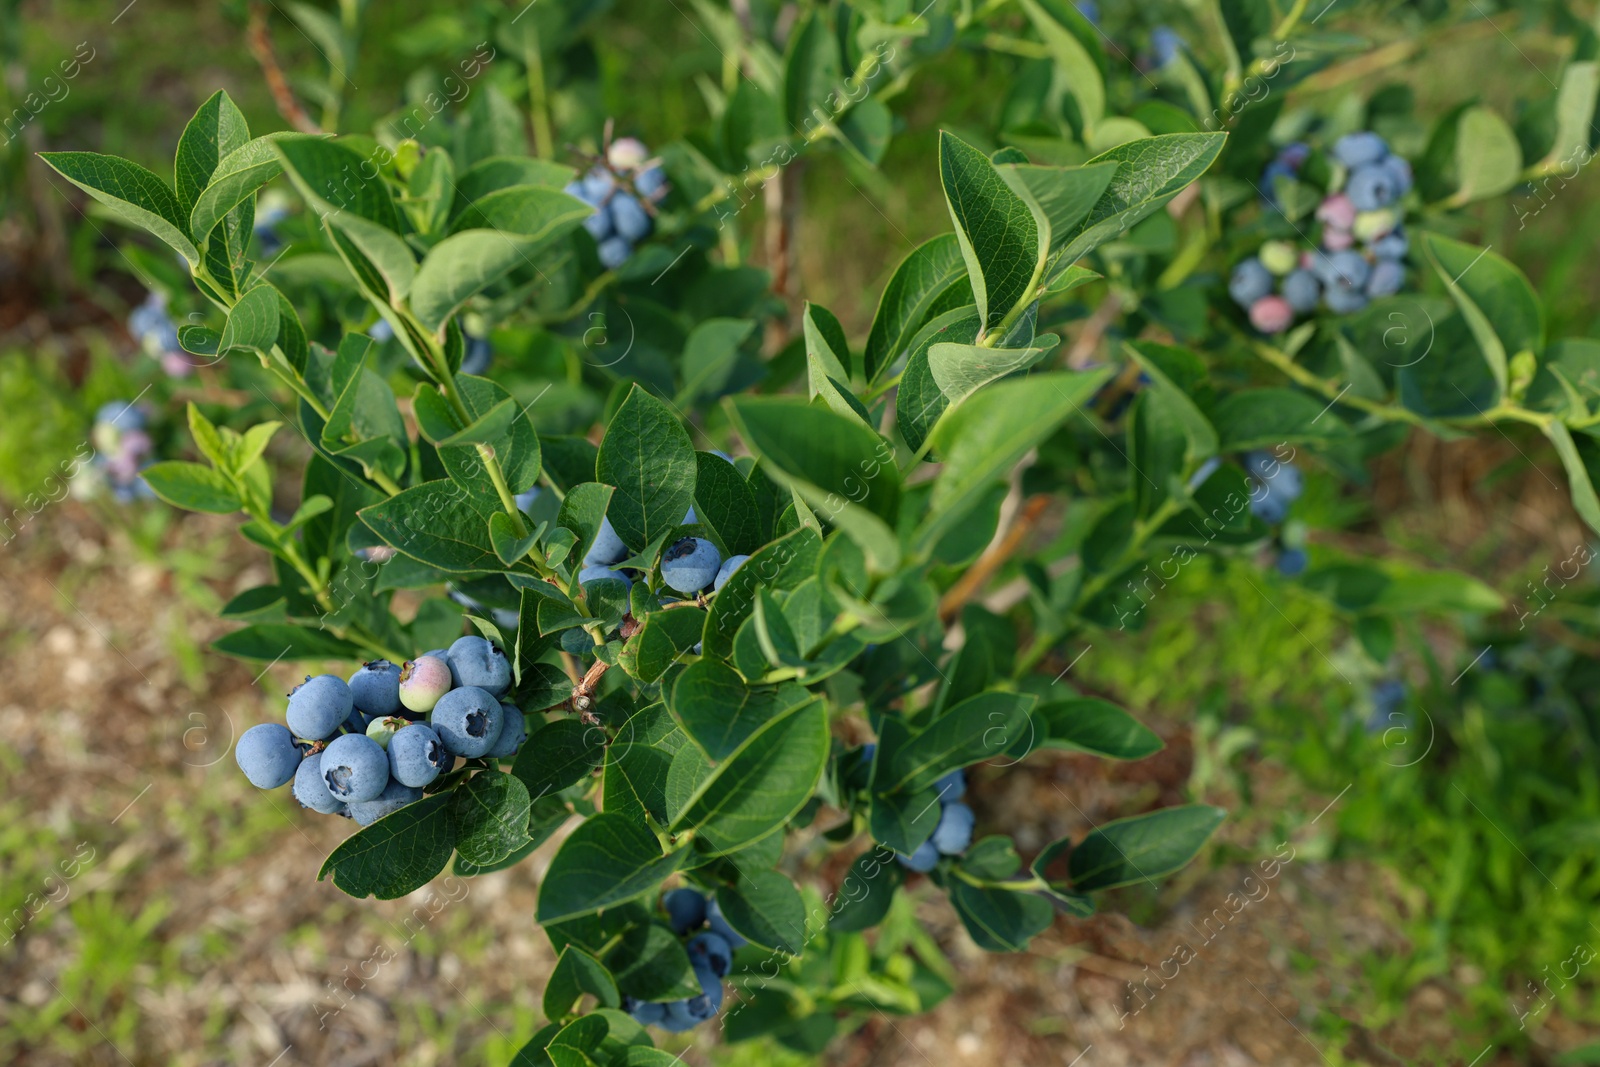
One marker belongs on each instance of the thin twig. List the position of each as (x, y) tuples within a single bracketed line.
[(260, 42), (956, 597)]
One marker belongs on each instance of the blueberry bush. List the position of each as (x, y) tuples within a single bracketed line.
[(746, 587)]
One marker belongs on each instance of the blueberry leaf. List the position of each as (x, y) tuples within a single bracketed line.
[(1152, 171), (1142, 848), (765, 908), (1098, 726), (647, 456), (217, 130), (1004, 237), (928, 282), (607, 860), (491, 816), (398, 854), (558, 754), (131, 192), (719, 710), (576, 973)]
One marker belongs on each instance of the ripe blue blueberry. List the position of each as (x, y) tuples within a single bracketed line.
[(607, 548), (597, 185), (468, 721), (1165, 44), (1251, 281), (310, 789), (355, 768), (1387, 278), (417, 756), (719, 925), (594, 572), (1373, 187), (1271, 508), (1280, 476), (923, 860), (724, 572), (952, 787), (651, 182), (1269, 179), (614, 252), (645, 1012), (394, 797), (267, 755), (513, 731), (424, 680), (954, 832), (478, 355), (704, 1007), (319, 706), (677, 1018), (1391, 246), (475, 661), (1343, 301), (1349, 271), (599, 224), (375, 688), (1292, 562), (629, 218), (1400, 170), (1302, 290), (711, 951), (690, 564), (1358, 149), (685, 908)]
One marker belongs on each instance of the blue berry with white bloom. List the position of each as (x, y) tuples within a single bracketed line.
[(1358, 149), (595, 572), (690, 564), (1292, 562), (311, 790), (954, 832), (476, 661), (719, 925), (355, 768), (1302, 290), (685, 908), (711, 951), (375, 688), (923, 860), (513, 731), (952, 787), (417, 756), (1387, 278), (599, 224), (726, 571), (267, 755), (614, 252), (468, 721), (1391, 246), (1250, 281), (1373, 187), (608, 547), (629, 218), (651, 182), (319, 706), (394, 797)]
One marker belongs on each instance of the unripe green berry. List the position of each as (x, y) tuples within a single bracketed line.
[(1279, 257), (380, 730)]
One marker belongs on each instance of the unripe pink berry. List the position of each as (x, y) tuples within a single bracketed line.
[(1337, 211), (1337, 240), (1271, 314), (627, 153), (423, 681)]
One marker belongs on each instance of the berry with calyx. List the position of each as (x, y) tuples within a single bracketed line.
[(1372, 225), (416, 755), (319, 706), (711, 951), (394, 797), (704, 1007), (476, 661), (311, 790), (627, 153), (690, 564), (1373, 187), (375, 688), (1391, 246), (685, 908), (383, 729), (651, 182), (1302, 290), (355, 768), (267, 755), (513, 731), (677, 1018), (424, 680), (923, 860), (1344, 301), (468, 721), (1358, 149)]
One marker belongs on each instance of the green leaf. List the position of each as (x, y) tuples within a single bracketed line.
[(709, 355), (133, 193), (501, 172), (576, 973), (867, 891), (217, 129), (647, 456), (665, 638), (1500, 306), (583, 513), (334, 178), (928, 282), (903, 821), (833, 453), (608, 859), (271, 642), (782, 564), (827, 353), (1000, 920), (487, 428), (766, 909), (435, 523), (193, 487), (503, 536), (253, 322), (1071, 39), (1004, 237), (1086, 724), (1153, 170), (1488, 157), (981, 440), (976, 729), (1264, 418), (811, 72), (1142, 848), (491, 817), (719, 710), (762, 784), (515, 225), (920, 402), (234, 179), (725, 504), (1066, 195), (1579, 481), (558, 754), (516, 448), (398, 854), (1575, 104), (961, 370)]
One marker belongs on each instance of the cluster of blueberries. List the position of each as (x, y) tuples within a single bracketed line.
[(152, 327), (366, 747), (711, 945), (956, 820), (623, 190), (122, 449), (1362, 204)]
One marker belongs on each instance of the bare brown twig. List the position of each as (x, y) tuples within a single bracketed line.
[(260, 42)]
